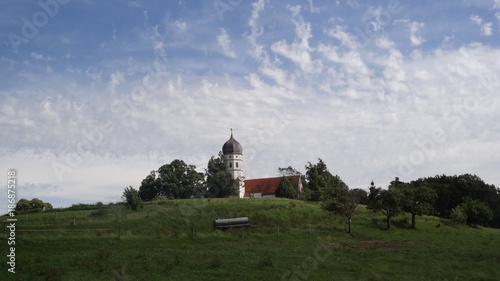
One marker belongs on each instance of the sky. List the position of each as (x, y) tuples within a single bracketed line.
[(96, 94)]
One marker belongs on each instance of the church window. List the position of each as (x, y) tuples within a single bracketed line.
[(236, 164), (230, 164)]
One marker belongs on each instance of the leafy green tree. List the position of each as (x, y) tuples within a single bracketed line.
[(417, 198), (458, 215), (150, 187), (131, 197), (361, 195), (477, 212), (47, 206), (289, 171), (36, 204), (33, 205), (219, 182), (176, 180), (286, 189), (318, 177), (23, 205), (451, 190), (340, 200), (386, 201)]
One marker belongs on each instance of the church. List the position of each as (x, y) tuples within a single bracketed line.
[(251, 188)]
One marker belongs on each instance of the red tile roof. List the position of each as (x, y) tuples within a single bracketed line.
[(267, 186)]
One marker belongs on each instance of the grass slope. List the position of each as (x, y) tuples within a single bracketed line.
[(294, 240)]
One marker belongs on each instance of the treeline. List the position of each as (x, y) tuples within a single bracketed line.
[(178, 180), (464, 199), (32, 206)]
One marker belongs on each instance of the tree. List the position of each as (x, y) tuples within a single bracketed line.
[(451, 191), (176, 180), (289, 171), (318, 177), (286, 189), (36, 204), (150, 187), (361, 195), (417, 198), (47, 206), (219, 182), (33, 205), (131, 197), (476, 212), (458, 215), (23, 205), (387, 201), (340, 200)]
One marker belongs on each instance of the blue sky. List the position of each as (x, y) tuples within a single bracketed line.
[(96, 94)]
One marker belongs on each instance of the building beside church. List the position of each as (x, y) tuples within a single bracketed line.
[(256, 188), (266, 187)]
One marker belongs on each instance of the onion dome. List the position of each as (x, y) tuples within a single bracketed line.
[(232, 146)]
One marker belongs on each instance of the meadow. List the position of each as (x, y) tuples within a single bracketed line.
[(292, 240)]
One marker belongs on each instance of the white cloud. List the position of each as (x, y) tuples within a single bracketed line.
[(180, 25), (256, 30), (225, 43), (476, 19), (41, 57), (384, 43), (486, 28), (416, 40), (496, 4), (448, 41), (36, 56), (32, 77), (298, 51), (313, 9), (116, 79), (347, 39)]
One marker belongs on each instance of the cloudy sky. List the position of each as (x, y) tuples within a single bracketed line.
[(96, 94)]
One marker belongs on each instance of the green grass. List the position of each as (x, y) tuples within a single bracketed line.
[(174, 240)]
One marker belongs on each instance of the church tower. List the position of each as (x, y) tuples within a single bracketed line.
[(233, 152)]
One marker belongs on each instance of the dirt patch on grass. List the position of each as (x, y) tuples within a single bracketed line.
[(381, 244)]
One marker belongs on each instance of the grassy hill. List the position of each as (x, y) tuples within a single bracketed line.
[(294, 240)]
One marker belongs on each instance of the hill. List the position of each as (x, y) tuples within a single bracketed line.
[(294, 240)]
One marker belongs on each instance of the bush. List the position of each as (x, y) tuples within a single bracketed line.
[(131, 197), (286, 189), (458, 215)]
